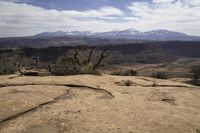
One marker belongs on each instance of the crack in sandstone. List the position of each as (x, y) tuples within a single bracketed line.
[(67, 85), (54, 100), (166, 86), (157, 85)]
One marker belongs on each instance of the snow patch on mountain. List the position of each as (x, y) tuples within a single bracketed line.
[(157, 35)]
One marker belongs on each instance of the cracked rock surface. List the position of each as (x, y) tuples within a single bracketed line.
[(96, 104)]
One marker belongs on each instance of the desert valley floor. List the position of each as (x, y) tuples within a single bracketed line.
[(97, 104)]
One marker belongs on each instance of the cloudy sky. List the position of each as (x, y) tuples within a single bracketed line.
[(29, 17)]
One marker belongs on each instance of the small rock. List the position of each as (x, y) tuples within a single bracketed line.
[(63, 124)]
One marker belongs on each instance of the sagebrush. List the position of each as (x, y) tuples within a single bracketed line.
[(160, 75), (195, 74), (66, 65), (129, 72)]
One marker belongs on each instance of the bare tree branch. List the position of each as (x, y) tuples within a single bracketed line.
[(89, 57), (76, 56), (102, 56)]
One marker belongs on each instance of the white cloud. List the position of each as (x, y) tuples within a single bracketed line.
[(102, 12), (162, 1), (177, 15), (23, 19)]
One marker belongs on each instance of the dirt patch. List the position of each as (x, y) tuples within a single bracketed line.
[(164, 97), (44, 128)]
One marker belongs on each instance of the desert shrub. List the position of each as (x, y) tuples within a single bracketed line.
[(88, 69), (65, 66), (128, 72), (7, 68), (195, 74), (73, 65), (159, 75), (128, 83), (72, 69), (125, 83)]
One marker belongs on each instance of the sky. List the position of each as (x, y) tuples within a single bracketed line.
[(29, 17)]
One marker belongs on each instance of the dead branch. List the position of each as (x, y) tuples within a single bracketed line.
[(89, 57), (102, 56), (76, 56)]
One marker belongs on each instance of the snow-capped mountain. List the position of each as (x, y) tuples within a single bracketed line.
[(83, 33), (67, 33), (119, 33), (156, 35)]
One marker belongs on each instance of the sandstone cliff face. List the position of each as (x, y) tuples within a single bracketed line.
[(97, 104)]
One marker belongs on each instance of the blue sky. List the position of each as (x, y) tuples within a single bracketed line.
[(29, 17), (78, 4)]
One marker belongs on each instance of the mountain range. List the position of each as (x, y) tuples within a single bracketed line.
[(154, 35)]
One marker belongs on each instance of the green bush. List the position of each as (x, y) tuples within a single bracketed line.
[(128, 72), (61, 70), (69, 66), (64, 66), (160, 75), (196, 74), (7, 68)]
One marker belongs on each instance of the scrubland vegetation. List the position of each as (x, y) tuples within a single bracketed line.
[(94, 60), (195, 74), (66, 65), (160, 75), (71, 64), (128, 72), (7, 67)]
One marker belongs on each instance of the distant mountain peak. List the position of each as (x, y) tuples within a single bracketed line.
[(131, 30), (156, 35)]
